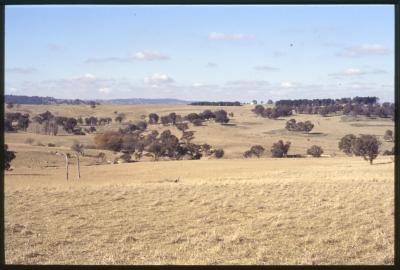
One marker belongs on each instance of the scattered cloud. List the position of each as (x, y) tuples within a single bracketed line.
[(211, 65), (21, 70), (106, 59), (157, 79), (146, 55), (105, 90), (149, 56), (265, 68), (364, 50), (358, 72), (286, 85), (230, 37)]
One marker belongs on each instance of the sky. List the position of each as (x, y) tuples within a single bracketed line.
[(213, 53)]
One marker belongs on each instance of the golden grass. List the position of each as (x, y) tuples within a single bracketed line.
[(336, 210)]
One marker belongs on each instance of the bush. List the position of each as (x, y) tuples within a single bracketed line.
[(197, 122), (77, 147), (255, 150), (109, 140), (221, 116), (389, 152), (51, 145), (120, 117), (388, 136), (345, 144), (219, 153), (153, 118), (315, 151), (8, 157), (280, 149)]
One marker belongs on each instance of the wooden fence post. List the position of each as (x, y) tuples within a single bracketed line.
[(79, 168), (66, 165)]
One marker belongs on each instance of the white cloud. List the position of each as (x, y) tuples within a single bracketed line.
[(357, 72), (21, 70), (158, 79), (287, 84), (224, 36), (146, 55), (105, 90), (365, 50), (149, 56), (353, 71), (265, 68)]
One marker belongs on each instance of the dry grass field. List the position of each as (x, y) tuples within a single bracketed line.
[(328, 210)]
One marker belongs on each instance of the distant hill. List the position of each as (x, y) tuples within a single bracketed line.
[(42, 100), (124, 101), (50, 100)]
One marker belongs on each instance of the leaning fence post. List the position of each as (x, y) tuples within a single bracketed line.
[(66, 165), (79, 168)]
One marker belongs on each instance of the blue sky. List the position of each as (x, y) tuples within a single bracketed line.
[(200, 52)]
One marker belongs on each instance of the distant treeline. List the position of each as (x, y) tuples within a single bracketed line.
[(44, 100), (218, 103), (367, 106), (327, 101)]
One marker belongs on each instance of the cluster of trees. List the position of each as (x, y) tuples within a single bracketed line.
[(158, 145), (280, 150), (21, 121), (197, 119), (292, 125), (367, 106), (273, 113), (50, 123), (45, 100), (94, 121), (255, 151), (218, 103), (366, 146)]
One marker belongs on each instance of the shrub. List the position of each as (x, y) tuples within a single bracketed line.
[(8, 125), (388, 135), (207, 115), (389, 152), (280, 149), (109, 140), (153, 118), (126, 157), (248, 154), (315, 151), (10, 105), (51, 145), (182, 126), (8, 157), (197, 122), (259, 109), (345, 144), (221, 116), (120, 117), (77, 147), (142, 125), (219, 153)]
